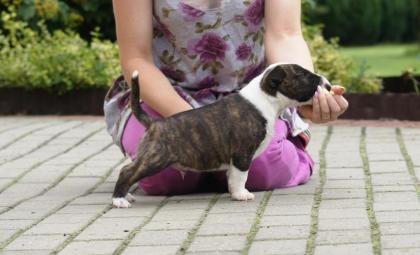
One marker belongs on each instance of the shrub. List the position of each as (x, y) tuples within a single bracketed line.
[(58, 61), (82, 16), (331, 64)]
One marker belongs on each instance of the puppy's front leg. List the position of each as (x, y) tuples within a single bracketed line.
[(236, 184)]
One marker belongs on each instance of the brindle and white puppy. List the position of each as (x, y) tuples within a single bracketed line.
[(228, 134)]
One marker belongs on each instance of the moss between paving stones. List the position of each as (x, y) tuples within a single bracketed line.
[(310, 245), (374, 226), (408, 161), (193, 232), (65, 203), (19, 177), (256, 225), (136, 230)]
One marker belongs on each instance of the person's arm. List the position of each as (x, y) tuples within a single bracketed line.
[(284, 42), (134, 28)]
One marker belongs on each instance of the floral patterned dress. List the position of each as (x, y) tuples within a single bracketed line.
[(207, 49)]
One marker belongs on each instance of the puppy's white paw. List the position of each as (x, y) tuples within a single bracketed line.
[(120, 202), (243, 195), (130, 198)]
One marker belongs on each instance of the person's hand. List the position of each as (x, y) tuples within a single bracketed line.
[(326, 106)]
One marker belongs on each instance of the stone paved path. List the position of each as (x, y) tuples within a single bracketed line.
[(57, 175)]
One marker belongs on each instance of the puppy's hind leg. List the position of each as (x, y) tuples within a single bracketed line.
[(236, 184), (122, 186), (146, 164)]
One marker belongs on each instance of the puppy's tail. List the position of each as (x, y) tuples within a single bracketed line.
[(135, 101)]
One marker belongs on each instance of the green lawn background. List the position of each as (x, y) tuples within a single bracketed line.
[(385, 60)]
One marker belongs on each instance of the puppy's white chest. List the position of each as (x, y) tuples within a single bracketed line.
[(270, 130)]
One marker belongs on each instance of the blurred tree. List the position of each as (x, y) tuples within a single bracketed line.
[(368, 22)]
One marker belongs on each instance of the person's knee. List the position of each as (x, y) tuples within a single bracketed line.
[(275, 168)]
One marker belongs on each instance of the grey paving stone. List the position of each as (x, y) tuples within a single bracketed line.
[(342, 213), (343, 193), (278, 247), (343, 237), (396, 206), (401, 251), (344, 184), (385, 156), (291, 199), (155, 250), (282, 232), (307, 189), (109, 228), (343, 224), (286, 220), (91, 247), (14, 224), (164, 215), (400, 241), (57, 229), (398, 216), (400, 228), (6, 234), (215, 253), (81, 209), (24, 252), (168, 237), (343, 203), (394, 188), (224, 243), (345, 174), (224, 229), (170, 225), (288, 210), (133, 212), (36, 242), (344, 249), (388, 167), (391, 179), (219, 224), (396, 196)]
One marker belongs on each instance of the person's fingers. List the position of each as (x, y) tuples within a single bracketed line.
[(325, 109), (316, 110), (338, 90), (335, 109), (343, 103)]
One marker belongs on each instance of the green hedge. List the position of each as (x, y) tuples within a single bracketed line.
[(82, 16), (367, 22), (58, 61)]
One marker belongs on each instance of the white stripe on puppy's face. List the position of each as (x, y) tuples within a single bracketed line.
[(236, 184)]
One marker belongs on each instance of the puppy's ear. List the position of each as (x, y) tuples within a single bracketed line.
[(273, 79)]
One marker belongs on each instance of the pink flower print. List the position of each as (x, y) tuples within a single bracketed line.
[(170, 72), (191, 14), (204, 93), (207, 82), (210, 47), (243, 51), (253, 71), (255, 13), (165, 30)]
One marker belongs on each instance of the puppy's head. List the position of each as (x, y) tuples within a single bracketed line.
[(293, 82)]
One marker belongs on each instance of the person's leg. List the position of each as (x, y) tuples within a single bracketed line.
[(284, 163), (167, 182)]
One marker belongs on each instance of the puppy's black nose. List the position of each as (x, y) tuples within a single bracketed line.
[(327, 86)]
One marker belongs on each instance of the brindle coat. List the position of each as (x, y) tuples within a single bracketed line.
[(226, 132)]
